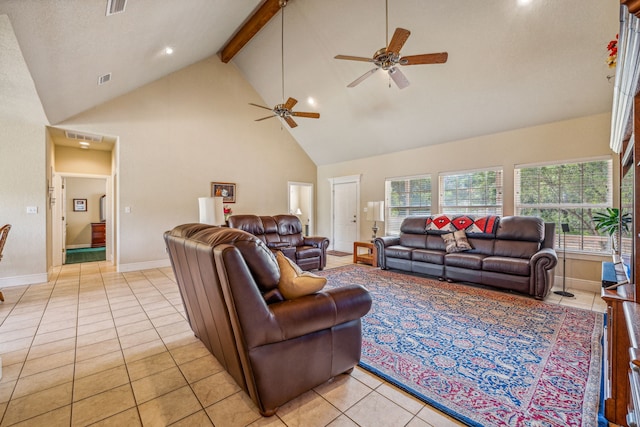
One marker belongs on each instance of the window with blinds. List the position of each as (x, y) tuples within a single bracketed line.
[(569, 193), (476, 192), (406, 197)]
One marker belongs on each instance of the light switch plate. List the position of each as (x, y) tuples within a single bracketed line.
[(32, 209)]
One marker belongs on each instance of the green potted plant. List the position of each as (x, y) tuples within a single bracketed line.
[(611, 222)]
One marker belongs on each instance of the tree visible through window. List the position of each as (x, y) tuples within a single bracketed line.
[(567, 194), (406, 197), (478, 192)]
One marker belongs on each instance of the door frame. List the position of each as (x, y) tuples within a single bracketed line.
[(350, 179), (59, 211), (309, 208)]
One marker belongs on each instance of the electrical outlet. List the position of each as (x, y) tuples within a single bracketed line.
[(32, 209)]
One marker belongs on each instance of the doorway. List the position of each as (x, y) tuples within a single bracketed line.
[(78, 209), (301, 205), (345, 221)]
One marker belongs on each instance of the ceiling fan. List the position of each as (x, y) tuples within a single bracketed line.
[(284, 110), (388, 58)]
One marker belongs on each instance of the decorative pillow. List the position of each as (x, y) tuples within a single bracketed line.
[(294, 282), (456, 242)]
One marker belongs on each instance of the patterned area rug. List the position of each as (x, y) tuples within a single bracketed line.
[(485, 357)]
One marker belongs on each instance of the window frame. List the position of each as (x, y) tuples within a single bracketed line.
[(389, 224), (485, 209), (582, 243)]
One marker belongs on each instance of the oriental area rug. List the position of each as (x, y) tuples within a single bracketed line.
[(485, 357)]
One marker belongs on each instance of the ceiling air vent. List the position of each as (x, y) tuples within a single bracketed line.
[(115, 6), (83, 136), (104, 79)]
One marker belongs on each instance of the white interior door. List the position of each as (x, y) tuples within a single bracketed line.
[(345, 215)]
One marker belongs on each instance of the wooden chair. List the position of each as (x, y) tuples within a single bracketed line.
[(4, 232)]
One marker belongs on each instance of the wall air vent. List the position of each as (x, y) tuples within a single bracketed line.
[(82, 136), (115, 6), (104, 79)]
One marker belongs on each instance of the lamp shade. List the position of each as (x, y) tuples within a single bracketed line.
[(211, 210), (375, 211)]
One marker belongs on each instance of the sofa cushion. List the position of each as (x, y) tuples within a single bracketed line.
[(413, 240), (464, 260), (456, 242), (522, 228), (515, 249), (517, 266), (249, 223), (295, 283), (428, 256), (398, 251), (260, 260)]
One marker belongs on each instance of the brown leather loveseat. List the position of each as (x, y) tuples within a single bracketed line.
[(284, 233), (274, 349)]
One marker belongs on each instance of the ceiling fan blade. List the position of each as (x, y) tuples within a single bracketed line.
[(427, 58), (307, 115), (260, 106), (398, 40), (353, 58), (290, 121), (362, 77), (265, 118), (290, 103), (398, 77)]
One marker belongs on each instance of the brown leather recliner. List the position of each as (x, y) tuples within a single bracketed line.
[(274, 349), (284, 233)]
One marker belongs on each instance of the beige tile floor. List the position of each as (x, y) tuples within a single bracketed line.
[(97, 347)]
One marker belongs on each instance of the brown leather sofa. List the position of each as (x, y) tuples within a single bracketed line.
[(511, 252), (276, 350), (284, 233)]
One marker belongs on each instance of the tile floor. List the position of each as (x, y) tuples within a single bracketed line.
[(97, 347)]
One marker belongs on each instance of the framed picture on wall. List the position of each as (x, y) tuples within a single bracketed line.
[(79, 205), (226, 190)]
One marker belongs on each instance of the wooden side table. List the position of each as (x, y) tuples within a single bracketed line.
[(370, 258)]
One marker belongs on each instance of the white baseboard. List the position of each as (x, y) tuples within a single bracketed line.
[(579, 284), (147, 265), (30, 279)]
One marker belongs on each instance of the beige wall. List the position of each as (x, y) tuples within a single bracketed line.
[(22, 167), (176, 136), (567, 140), (79, 223), (77, 160)]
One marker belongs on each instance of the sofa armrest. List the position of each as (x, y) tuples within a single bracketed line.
[(381, 243), (319, 242), (542, 264), (322, 310), (316, 242)]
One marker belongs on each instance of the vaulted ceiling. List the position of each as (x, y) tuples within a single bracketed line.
[(512, 63)]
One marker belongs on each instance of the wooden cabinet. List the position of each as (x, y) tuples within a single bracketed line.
[(617, 393), (98, 234)]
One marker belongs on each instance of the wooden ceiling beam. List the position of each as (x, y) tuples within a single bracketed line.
[(259, 19)]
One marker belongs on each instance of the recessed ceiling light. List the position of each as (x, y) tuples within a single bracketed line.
[(84, 144), (311, 101), (523, 2), (168, 50)]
